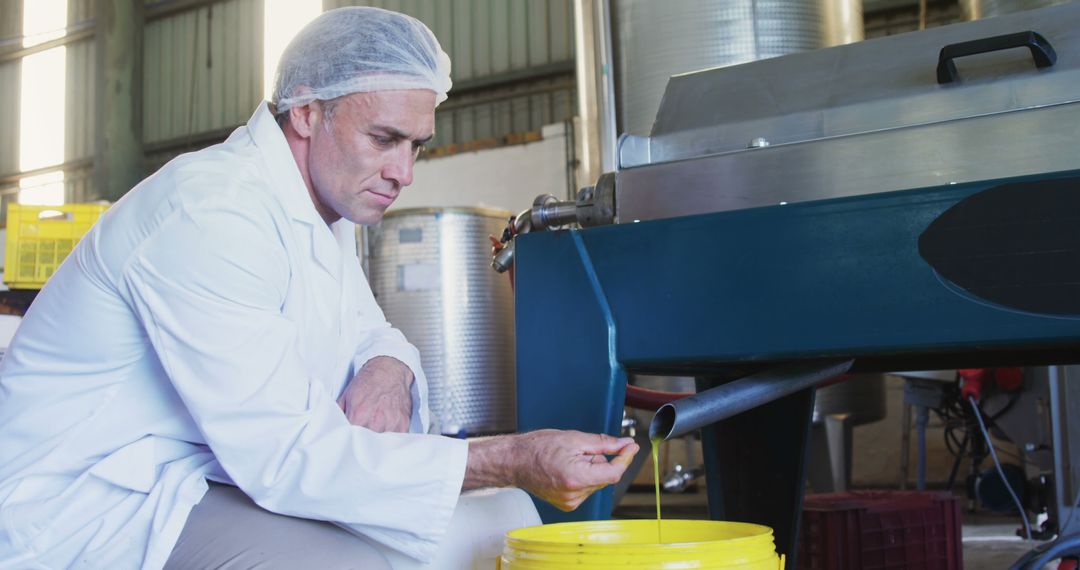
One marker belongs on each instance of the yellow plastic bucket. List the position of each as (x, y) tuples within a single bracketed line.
[(631, 544)]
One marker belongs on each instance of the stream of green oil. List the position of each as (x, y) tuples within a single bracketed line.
[(656, 482)]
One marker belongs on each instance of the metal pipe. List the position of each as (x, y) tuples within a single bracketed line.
[(596, 135), (548, 213), (605, 102), (1059, 444), (118, 157), (733, 398), (922, 418), (905, 445), (595, 206), (527, 76), (503, 258), (586, 138)]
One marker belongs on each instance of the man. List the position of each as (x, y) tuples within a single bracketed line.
[(215, 326)]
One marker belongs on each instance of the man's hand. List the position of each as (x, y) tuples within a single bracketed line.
[(379, 396), (561, 467)]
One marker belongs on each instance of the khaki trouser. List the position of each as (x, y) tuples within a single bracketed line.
[(228, 531)]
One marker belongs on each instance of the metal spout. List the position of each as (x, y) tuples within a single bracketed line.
[(724, 401)]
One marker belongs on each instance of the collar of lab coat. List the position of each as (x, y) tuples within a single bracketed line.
[(329, 243)]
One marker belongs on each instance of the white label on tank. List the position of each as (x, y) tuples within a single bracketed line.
[(411, 235), (418, 277)]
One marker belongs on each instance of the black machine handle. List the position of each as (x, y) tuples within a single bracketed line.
[(1041, 51)]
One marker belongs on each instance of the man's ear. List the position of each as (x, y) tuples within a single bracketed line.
[(305, 118)]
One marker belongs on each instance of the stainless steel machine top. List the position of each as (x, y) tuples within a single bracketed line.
[(860, 119)]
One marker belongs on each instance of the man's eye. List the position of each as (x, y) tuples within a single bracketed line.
[(383, 141)]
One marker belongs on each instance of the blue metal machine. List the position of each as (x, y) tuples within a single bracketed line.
[(880, 214)]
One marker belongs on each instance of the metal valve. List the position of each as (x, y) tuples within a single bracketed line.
[(594, 206)]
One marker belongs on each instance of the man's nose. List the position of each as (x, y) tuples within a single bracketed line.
[(399, 164)]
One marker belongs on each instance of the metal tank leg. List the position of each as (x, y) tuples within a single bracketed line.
[(838, 432), (829, 465), (755, 466)]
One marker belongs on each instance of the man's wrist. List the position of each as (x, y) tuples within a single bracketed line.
[(492, 462)]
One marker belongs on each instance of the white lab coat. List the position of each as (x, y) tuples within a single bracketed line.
[(204, 329)]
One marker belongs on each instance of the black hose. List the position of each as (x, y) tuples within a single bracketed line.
[(1013, 398), (956, 465)]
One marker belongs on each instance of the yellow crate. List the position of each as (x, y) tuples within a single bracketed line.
[(40, 237)]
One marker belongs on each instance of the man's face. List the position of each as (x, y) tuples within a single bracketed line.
[(362, 155)]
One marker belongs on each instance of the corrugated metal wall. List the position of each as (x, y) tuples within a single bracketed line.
[(10, 84), (496, 113), (10, 39), (513, 63), (202, 70), (79, 112), (513, 73), (486, 37)]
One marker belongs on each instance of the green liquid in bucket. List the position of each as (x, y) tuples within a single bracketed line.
[(656, 482)]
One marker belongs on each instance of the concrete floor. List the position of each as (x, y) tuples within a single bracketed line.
[(990, 542)]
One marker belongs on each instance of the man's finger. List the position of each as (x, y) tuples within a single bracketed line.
[(605, 473), (626, 455), (601, 444)]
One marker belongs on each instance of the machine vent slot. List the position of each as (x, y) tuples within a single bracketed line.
[(1016, 245)]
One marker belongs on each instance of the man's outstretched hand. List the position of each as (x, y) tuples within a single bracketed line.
[(561, 467)]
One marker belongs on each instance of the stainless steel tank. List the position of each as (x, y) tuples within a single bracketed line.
[(843, 21), (430, 272), (862, 397), (655, 40), (838, 409), (979, 9)]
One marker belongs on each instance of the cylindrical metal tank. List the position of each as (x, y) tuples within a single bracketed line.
[(843, 21), (979, 9), (655, 40), (430, 272), (854, 402)]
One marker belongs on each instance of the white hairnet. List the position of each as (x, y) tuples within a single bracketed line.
[(359, 49)]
